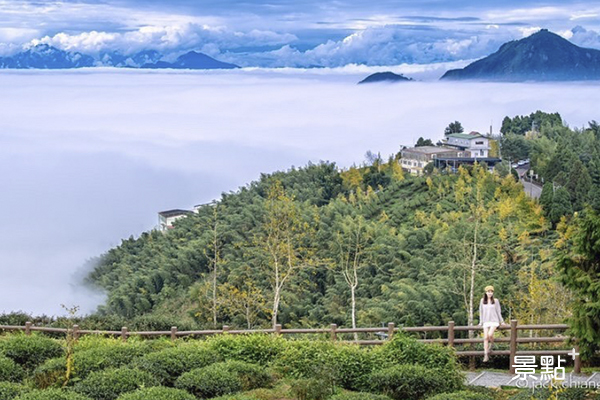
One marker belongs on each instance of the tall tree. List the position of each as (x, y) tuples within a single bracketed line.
[(283, 241), (579, 262), (454, 127)]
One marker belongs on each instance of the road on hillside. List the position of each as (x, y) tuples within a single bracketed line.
[(531, 189)]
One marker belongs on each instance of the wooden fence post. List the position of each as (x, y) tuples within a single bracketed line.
[(577, 367), (28, 328), (75, 332), (513, 344), (225, 328), (451, 333), (333, 332), (124, 333), (278, 329), (391, 327), (173, 333)]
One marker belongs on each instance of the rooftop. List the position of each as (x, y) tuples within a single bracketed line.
[(174, 213), (468, 136), (429, 149)]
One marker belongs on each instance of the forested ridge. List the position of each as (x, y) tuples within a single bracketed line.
[(364, 246)]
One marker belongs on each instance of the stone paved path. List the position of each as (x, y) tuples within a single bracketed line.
[(491, 379)]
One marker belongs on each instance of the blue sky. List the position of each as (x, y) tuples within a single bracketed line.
[(297, 33)]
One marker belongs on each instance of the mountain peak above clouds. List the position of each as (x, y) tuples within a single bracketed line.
[(543, 56), (44, 56)]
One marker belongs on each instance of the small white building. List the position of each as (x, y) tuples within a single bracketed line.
[(474, 143), (414, 159), (167, 218)]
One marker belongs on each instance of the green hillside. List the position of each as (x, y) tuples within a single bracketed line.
[(299, 243)]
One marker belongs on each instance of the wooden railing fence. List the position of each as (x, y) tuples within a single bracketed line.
[(386, 331)]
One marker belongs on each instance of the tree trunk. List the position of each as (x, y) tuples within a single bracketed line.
[(352, 292)]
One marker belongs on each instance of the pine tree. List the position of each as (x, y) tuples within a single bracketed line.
[(579, 263), (561, 205), (546, 198)]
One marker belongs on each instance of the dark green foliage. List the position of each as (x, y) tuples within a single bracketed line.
[(423, 142), (109, 384), (9, 370), (111, 355), (212, 381), (579, 263), (310, 389), (562, 393), (157, 393), (358, 396), (10, 390), (258, 348), (519, 125), (224, 378), (52, 394), (546, 198), (454, 127), (29, 351), (167, 365), (413, 382), (461, 395), (514, 147), (561, 205), (405, 350), (52, 373)]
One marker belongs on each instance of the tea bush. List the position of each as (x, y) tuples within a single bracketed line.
[(359, 396), (111, 383), (167, 365), (52, 394), (256, 348), (157, 393), (406, 350), (461, 395), (10, 390), (413, 382), (51, 373), (29, 351), (10, 370), (224, 378)]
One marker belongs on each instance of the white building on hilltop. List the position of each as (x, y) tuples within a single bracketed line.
[(475, 143)]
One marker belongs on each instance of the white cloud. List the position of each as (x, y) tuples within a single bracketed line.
[(189, 36), (585, 37)]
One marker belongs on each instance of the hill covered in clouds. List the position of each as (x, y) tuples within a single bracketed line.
[(43, 56), (543, 56)]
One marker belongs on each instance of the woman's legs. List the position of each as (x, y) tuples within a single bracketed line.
[(485, 343), (491, 337)]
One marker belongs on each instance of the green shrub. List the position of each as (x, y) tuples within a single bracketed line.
[(306, 358), (167, 365), (310, 389), (10, 390), (52, 394), (212, 381), (359, 396), (51, 373), (224, 378), (237, 396), (109, 384), (110, 355), (352, 364), (413, 382), (29, 351), (345, 365), (405, 350), (157, 393), (10, 370), (462, 395), (562, 394), (256, 348)]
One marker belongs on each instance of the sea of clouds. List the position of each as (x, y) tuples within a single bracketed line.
[(88, 157)]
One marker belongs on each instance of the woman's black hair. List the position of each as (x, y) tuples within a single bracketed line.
[(485, 299)]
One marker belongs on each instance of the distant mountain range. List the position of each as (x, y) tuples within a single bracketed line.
[(385, 77), (43, 56), (543, 56)]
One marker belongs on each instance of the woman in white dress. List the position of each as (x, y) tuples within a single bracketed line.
[(490, 317)]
